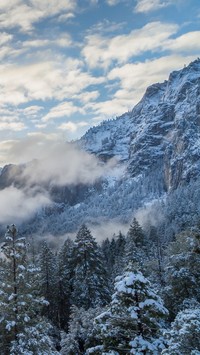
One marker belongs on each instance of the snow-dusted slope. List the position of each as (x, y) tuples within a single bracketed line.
[(162, 130), (158, 146)]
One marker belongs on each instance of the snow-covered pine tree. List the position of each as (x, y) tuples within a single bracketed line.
[(108, 249), (80, 334), (182, 272), (65, 275), (49, 282), (22, 330), (136, 245), (184, 335), (154, 265), (90, 284), (132, 324), (119, 262)]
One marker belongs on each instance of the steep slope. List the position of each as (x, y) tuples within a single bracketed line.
[(158, 146), (162, 130)]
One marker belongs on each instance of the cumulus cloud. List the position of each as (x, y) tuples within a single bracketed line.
[(72, 126), (146, 6), (17, 13), (5, 37), (64, 109), (13, 126), (43, 80), (188, 42), (102, 51), (64, 40), (88, 96)]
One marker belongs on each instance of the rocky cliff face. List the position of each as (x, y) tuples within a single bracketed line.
[(163, 130), (158, 146)]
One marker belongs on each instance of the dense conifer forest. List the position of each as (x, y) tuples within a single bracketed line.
[(132, 294)]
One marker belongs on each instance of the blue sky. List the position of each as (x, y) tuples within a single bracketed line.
[(66, 65)]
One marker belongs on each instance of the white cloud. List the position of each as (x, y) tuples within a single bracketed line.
[(17, 13), (106, 27), (5, 147), (21, 151), (110, 108), (13, 126), (32, 110), (64, 109), (10, 120), (55, 163), (133, 79), (146, 6), (188, 42), (72, 126), (18, 205), (88, 96), (112, 2), (5, 38), (43, 80), (61, 41), (102, 51)]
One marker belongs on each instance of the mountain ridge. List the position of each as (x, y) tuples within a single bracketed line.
[(156, 128), (157, 146)]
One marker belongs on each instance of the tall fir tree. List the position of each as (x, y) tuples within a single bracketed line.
[(49, 282), (119, 262), (184, 335), (136, 245), (80, 335), (90, 284), (182, 272), (133, 321), (65, 276), (20, 303)]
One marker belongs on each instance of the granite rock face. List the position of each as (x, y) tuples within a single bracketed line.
[(157, 146), (163, 130)]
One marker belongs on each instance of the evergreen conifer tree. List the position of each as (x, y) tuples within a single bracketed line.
[(136, 245), (21, 326), (182, 272), (90, 284), (133, 321), (184, 335), (80, 334), (49, 282), (65, 276)]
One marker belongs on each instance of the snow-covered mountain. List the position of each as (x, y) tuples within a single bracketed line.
[(157, 145), (163, 130)]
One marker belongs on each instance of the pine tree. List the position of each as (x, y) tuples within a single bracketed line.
[(182, 272), (119, 262), (109, 253), (154, 266), (136, 246), (133, 321), (49, 282), (184, 335), (65, 275), (80, 334), (136, 233), (90, 286), (20, 303)]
